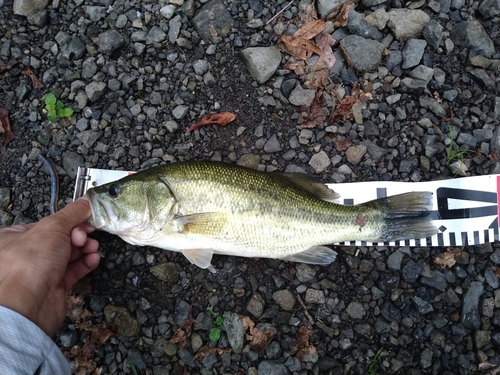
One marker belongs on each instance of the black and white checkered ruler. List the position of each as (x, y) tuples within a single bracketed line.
[(464, 209)]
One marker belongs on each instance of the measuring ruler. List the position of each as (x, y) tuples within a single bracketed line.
[(464, 209)]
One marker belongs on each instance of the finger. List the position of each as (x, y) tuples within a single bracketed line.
[(74, 213), (92, 246), (17, 228), (79, 268), (78, 237)]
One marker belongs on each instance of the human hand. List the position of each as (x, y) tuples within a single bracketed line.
[(40, 262)]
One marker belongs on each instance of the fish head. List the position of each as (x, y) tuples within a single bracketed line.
[(132, 207)]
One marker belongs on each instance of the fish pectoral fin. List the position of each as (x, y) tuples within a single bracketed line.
[(201, 257), (315, 255), (314, 187), (208, 224)]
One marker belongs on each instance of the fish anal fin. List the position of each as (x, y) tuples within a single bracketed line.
[(314, 187), (315, 255), (200, 257), (208, 224)]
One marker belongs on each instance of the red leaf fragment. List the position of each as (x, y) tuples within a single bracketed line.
[(222, 119), (304, 346), (8, 134), (37, 84)]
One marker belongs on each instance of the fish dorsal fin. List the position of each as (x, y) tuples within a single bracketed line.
[(315, 255), (201, 257), (207, 224), (314, 187)]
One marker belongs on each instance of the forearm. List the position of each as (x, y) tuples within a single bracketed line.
[(25, 348)]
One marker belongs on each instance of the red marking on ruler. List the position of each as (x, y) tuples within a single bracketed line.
[(498, 196)]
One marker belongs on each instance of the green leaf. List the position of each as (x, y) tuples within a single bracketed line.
[(65, 112), (219, 320), (51, 115), (59, 105), (214, 334), (50, 100)]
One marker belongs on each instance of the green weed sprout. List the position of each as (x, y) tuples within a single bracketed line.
[(373, 363), (55, 108), (455, 154), (214, 333)]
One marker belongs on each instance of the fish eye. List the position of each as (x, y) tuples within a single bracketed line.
[(114, 191)]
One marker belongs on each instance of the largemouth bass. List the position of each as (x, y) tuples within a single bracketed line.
[(205, 208)]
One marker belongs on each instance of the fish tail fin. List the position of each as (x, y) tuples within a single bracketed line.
[(407, 216)]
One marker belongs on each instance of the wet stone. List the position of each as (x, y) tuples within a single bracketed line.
[(438, 281), (391, 312), (422, 306), (470, 317), (356, 310), (305, 272), (256, 305)]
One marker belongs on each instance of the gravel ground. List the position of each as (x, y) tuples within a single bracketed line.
[(138, 73)]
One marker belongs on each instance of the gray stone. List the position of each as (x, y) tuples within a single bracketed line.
[(325, 7), (422, 305), (426, 358), (180, 111), (305, 273), (358, 26), (39, 19), (267, 367), (167, 272), (393, 59), (74, 49), (121, 21), (255, 305), (213, 20), (249, 160), (364, 54), (69, 338), (156, 35), (413, 52), (110, 41), (433, 105), (378, 18), (471, 34), (390, 312), (413, 86), (437, 281), (71, 162), (491, 278), (261, 62), (285, 299), (482, 338), (466, 139), (235, 331), (89, 137), (95, 13), (483, 79), (433, 33), (354, 154), (320, 162), (122, 321), (470, 317), (422, 72), (406, 23), (95, 90), (29, 7), (301, 96), (458, 168), (356, 310), (89, 68), (200, 67), (394, 260), (272, 145), (168, 11), (375, 152), (4, 198), (315, 296), (412, 271), (174, 28), (489, 8)]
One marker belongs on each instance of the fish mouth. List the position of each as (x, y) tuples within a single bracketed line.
[(98, 211)]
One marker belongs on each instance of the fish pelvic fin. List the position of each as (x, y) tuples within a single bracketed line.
[(407, 216), (200, 257), (315, 255), (207, 224)]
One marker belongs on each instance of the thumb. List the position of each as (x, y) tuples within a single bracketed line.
[(72, 214)]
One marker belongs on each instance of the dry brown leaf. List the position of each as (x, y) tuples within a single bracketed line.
[(309, 13), (343, 109), (258, 339), (342, 143), (303, 346), (206, 352), (316, 113), (492, 156), (340, 15), (489, 368), (447, 259), (6, 67), (300, 48), (8, 134), (222, 118), (497, 272), (37, 84), (183, 333), (299, 67), (326, 58), (94, 336), (310, 29)]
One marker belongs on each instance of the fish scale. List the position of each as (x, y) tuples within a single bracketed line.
[(201, 208)]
